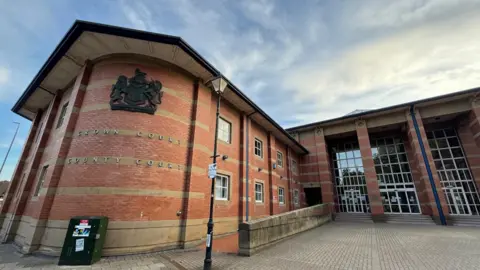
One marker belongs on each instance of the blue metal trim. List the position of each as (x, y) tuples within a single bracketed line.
[(427, 166)]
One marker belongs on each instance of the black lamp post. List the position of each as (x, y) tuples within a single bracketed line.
[(218, 86)]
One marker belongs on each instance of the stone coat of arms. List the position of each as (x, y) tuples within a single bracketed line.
[(136, 94)]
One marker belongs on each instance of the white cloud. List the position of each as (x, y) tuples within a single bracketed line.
[(408, 64), (4, 75)]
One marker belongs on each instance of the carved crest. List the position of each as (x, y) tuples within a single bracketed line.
[(136, 94)]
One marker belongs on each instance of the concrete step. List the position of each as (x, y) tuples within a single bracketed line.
[(353, 218), (409, 219), (465, 221)]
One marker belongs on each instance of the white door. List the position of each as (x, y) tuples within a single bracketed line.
[(353, 201)]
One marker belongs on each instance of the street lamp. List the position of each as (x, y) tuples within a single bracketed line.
[(218, 85), (10, 147)]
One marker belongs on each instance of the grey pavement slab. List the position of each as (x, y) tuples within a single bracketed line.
[(332, 246)]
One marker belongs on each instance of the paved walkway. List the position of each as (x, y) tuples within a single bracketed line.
[(333, 246)]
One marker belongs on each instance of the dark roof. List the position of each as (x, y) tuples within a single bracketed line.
[(79, 27), (367, 112)]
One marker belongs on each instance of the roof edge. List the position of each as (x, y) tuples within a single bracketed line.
[(80, 26), (407, 104)]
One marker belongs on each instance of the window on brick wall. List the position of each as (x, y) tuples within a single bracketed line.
[(41, 179), (62, 115), (258, 192), (279, 159), (281, 195), (221, 187), (224, 130), (294, 166), (296, 200), (258, 148)]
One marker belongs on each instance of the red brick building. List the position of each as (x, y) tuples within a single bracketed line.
[(123, 126), (147, 171)]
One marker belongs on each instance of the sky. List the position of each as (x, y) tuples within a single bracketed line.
[(301, 61)]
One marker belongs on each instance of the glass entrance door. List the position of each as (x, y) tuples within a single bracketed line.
[(394, 177), (353, 201), (457, 200), (403, 201), (455, 176)]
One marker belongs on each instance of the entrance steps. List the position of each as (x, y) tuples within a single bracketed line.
[(465, 221), (353, 217), (409, 219)]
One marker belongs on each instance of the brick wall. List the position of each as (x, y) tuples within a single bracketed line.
[(143, 171)]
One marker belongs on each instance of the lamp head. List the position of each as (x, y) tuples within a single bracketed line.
[(218, 84)]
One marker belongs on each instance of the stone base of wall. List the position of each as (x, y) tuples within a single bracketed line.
[(123, 237), (259, 234)]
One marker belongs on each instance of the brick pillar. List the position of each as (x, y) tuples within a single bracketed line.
[(376, 206), (194, 208), (31, 176), (64, 135), (471, 143), (324, 172), (242, 168), (18, 181), (272, 183), (417, 178), (289, 193), (421, 167)]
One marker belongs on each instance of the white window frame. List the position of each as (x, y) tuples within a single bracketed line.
[(281, 195), (41, 180), (260, 149), (296, 196), (294, 166), (224, 179), (222, 134), (261, 192), (280, 159)]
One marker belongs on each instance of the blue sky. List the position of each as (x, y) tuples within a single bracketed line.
[(302, 61)]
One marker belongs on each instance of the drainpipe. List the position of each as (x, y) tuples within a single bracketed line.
[(427, 166), (247, 163)]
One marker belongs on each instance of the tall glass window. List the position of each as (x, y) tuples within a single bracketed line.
[(350, 178), (455, 177), (394, 177)]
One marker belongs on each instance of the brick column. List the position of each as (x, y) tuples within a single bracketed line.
[(421, 167), (17, 175), (194, 208), (471, 142), (18, 180), (417, 177), (272, 184), (289, 194), (32, 174), (64, 136), (376, 206), (324, 172)]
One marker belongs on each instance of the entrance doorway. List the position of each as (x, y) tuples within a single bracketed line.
[(395, 181), (353, 201), (313, 196), (400, 201), (350, 184), (455, 177), (457, 200)]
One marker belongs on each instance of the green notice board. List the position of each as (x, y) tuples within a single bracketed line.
[(84, 240)]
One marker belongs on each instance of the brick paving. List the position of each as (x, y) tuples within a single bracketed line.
[(333, 246), (359, 246)]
